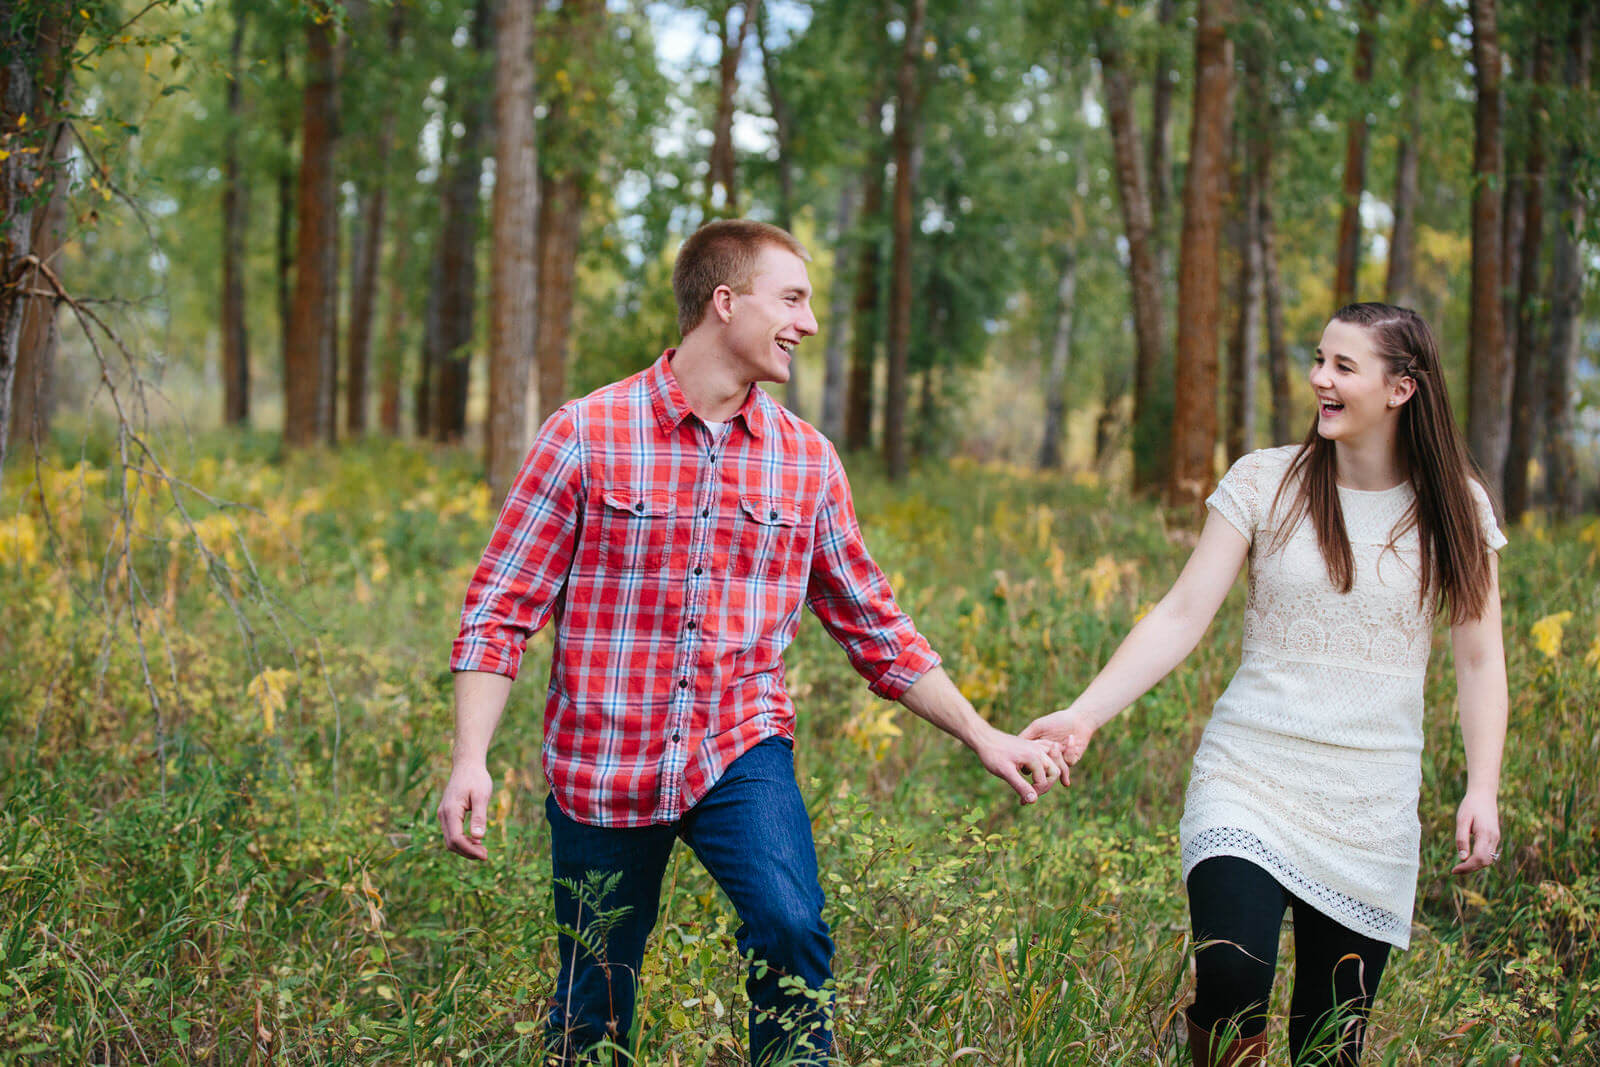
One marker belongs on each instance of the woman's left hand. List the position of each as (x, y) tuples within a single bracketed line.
[(1477, 832)]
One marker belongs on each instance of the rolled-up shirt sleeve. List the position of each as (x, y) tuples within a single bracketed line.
[(524, 569), (851, 597)]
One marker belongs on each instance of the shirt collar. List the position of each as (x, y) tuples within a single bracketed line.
[(671, 407)]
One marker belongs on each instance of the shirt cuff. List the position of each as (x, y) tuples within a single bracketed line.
[(491, 657), (915, 660)]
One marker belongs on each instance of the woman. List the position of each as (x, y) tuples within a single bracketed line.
[(1304, 790)]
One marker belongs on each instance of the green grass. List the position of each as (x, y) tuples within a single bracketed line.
[(182, 883)]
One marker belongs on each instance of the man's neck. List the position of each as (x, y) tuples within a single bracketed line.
[(714, 389)]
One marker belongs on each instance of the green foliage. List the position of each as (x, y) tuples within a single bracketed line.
[(259, 873)]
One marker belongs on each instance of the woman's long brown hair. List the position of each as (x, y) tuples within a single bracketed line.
[(1455, 556)]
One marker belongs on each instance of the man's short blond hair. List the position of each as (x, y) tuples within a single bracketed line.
[(723, 252)]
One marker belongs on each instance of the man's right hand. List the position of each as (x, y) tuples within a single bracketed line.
[(464, 810)]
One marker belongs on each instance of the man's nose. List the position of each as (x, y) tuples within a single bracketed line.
[(808, 324)]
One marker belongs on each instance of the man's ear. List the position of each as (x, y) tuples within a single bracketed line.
[(722, 303)]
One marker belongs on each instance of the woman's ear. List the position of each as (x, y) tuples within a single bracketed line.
[(1401, 390)]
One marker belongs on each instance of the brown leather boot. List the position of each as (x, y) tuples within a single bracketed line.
[(1209, 1051)]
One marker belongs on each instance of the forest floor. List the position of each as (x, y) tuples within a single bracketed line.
[(222, 848)]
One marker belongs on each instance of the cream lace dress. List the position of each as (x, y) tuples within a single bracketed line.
[(1311, 762)]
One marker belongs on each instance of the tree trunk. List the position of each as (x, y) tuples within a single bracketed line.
[(1530, 356), (1566, 285), (864, 318), (566, 173), (1487, 381), (1244, 353), (783, 130), (722, 192), (1512, 202), (835, 357), (1194, 423), (34, 70), (1055, 400), (366, 252), (899, 335), (1355, 163), (235, 216), (1150, 419), (285, 220), (1161, 88), (560, 231), (33, 394), (390, 359), (1400, 287), (513, 276), (423, 400), (458, 267), (308, 365), (1278, 369)]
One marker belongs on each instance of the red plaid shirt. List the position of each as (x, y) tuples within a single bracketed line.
[(675, 565)]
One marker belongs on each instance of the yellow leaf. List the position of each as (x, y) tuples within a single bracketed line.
[(269, 690), (1547, 633)]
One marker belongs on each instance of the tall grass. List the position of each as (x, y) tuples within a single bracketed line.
[(261, 877)]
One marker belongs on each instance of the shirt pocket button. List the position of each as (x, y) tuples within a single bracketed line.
[(635, 529)]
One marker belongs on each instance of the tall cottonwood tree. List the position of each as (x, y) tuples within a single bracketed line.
[(235, 221), (513, 271), (1244, 349), (865, 318), (722, 177), (1150, 451), (1566, 269), (835, 360), (372, 184), (908, 78), (1194, 421), (448, 341), (1357, 130), (1530, 354), (309, 369), (35, 68), (1487, 380), (1399, 284), (566, 179), (1055, 401)]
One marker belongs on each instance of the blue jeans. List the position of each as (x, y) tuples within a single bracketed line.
[(752, 833)]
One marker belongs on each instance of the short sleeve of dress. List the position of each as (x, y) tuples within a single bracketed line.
[(1238, 496), (1486, 520)]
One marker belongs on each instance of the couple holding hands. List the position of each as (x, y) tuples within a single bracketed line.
[(674, 524)]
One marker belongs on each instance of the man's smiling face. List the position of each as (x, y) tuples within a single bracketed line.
[(770, 320)]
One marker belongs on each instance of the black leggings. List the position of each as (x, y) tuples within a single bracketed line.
[(1238, 908)]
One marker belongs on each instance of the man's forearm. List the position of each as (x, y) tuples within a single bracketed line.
[(935, 698), (480, 698)]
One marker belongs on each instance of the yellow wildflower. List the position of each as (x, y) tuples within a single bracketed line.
[(19, 540), (1547, 633)]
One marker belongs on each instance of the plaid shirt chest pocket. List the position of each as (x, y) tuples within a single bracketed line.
[(635, 529), (767, 537)]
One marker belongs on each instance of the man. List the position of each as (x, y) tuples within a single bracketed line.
[(673, 524)]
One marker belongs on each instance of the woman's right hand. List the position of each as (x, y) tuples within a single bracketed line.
[(1070, 729)]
